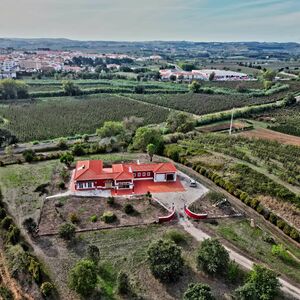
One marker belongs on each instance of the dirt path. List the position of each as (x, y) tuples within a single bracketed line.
[(199, 235), (11, 283)]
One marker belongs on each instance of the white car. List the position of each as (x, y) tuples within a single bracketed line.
[(193, 183)]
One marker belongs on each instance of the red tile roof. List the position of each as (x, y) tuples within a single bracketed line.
[(93, 170)]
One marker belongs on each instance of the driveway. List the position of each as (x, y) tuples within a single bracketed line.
[(179, 199)]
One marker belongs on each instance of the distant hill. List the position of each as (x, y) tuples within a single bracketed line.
[(248, 49)]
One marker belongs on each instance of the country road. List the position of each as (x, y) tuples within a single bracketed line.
[(199, 235)]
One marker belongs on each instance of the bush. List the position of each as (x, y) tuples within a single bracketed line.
[(29, 155), (111, 201), (165, 260), (13, 235), (62, 185), (30, 225), (93, 253), (129, 209), (198, 291), (6, 222), (94, 218), (234, 273), (5, 293), (123, 284), (294, 234), (47, 288), (2, 213), (176, 236), (35, 270), (280, 223), (108, 217), (273, 218), (67, 231), (212, 257), (78, 150), (74, 218)]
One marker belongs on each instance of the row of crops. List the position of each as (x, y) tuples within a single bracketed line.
[(66, 116)]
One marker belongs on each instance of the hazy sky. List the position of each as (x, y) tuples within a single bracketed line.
[(199, 20)]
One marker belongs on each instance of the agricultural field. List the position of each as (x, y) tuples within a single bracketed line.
[(257, 243), (201, 104), (66, 116), (238, 125), (264, 169)]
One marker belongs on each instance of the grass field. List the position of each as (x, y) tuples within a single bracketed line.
[(251, 241), (65, 116)]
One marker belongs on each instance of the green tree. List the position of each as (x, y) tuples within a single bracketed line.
[(165, 260), (145, 136), (139, 89), (47, 288), (180, 122), (132, 123), (70, 88), (290, 99), (268, 84), (67, 231), (212, 76), (67, 159), (151, 150), (212, 257), (262, 284), (83, 277), (195, 87), (29, 155), (13, 89), (7, 138), (198, 291), (123, 284), (269, 75), (110, 129)]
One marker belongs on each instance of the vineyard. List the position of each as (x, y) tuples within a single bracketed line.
[(201, 103), (65, 116)]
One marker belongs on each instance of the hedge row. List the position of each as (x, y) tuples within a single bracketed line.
[(243, 196)]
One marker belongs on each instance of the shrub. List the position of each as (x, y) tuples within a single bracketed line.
[(212, 257), (62, 144), (176, 236), (62, 185), (94, 218), (67, 231), (273, 218), (5, 293), (6, 222), (234, 273), (93, 253), (129, 209), (108, 217), (165, 260), (47, 288), (198, 291), (294, 234), (280, 223), (74, 218), (123, 284), (268, 239), (35, 270), (13, 235), (30, 225), (29, 155), (78, 150), (2, 213), (111, 201), (254, 203)]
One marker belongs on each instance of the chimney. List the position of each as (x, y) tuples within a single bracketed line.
[(138, 161)]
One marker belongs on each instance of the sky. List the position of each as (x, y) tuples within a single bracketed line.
[(140, 20)]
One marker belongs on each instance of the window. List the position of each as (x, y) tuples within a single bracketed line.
[(134, 174), (89, 184), (144, 174), (80, 185), (139, 174), (148, 174)]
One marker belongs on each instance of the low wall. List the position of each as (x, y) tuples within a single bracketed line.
[(193, 215)]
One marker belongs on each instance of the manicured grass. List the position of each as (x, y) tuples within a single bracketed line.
[(250, 240)]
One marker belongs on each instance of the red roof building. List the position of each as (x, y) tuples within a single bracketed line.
[(91, 175)]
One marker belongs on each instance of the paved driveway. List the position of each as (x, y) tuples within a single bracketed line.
[(190, 194)]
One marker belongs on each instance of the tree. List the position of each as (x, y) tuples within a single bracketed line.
[(151, 150), (139, 89), (269, 75), (145, 136), (195, 87), (70, 88), (110, 129), (67, 159), (78, 150), (6, 138), (29, 155), (9, 151), (123, 284), (132, 123), (262, 284), (165, 260), (13, 89), (212, 257), (67, 231), (198, 291), (83, 277), (290, 99), (187, 66), (212, 76), (47, 288), (268, 84), (180, 122), (93, 253)]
